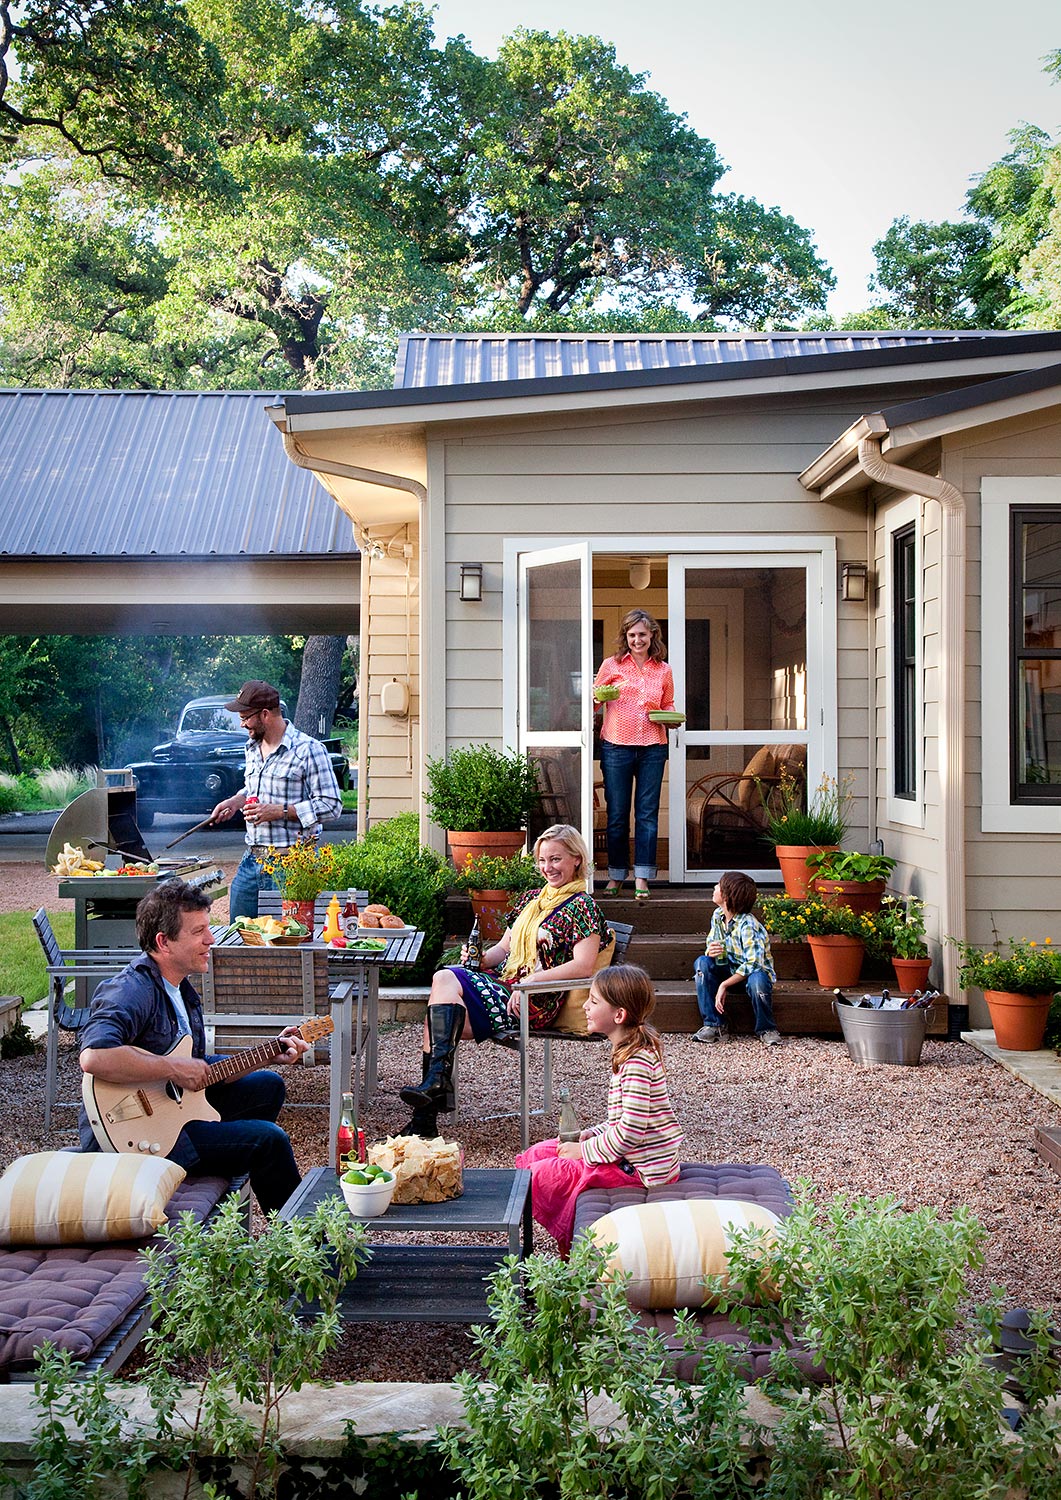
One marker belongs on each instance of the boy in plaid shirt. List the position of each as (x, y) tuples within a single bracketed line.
[(738, 952)]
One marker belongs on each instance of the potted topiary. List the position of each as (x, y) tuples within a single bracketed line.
[(483, 798), (855, 880), (902, 924), (1019, 987), (492, 883), (796, 831)]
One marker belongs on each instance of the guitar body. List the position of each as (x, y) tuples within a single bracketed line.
[(145, 1119)]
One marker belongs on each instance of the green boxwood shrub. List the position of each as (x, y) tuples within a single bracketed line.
[(395, 868)]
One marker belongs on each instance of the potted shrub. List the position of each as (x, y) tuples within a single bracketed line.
[(1018, 985), (902, 924), (838, 938), (856, 880), (484, 797), (301, 873), (491, 883), (797, 831)]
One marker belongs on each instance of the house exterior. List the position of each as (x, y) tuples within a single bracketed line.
[(745, 489)]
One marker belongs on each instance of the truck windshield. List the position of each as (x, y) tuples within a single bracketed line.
[(207, 716)]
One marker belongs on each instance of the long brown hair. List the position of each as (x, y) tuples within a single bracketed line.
[(657, 651), (627, 987)]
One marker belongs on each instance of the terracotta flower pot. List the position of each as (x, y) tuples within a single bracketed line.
[(795, 871), (468, 846), (302, 911), (859, 895), (1019, 1020), (837, 959), (911, 973), (490, 908)]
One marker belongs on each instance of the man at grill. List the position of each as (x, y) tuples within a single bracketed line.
[(289, 790), (138, 1016)]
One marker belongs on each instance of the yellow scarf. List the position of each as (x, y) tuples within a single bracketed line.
[(523, 951)]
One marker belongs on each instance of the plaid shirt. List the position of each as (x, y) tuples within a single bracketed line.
[(745, 942), (297, 773)]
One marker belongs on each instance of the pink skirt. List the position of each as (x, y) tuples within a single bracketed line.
[(557, 1182)]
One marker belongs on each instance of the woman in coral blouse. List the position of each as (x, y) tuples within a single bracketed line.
[(633, 749)]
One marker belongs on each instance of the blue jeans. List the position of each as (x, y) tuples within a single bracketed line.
[(709, 974), (248, 880), (621, 766), (245, 1139)]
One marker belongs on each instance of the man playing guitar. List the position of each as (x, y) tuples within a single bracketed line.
[(141, 1014)]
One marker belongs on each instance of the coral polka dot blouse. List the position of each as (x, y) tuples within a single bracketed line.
[(626, 720)]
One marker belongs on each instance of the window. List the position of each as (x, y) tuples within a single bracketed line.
[(904, 663), (1035, 656)]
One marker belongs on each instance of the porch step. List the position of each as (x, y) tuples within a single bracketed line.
[(672, 955), (801, 1008)]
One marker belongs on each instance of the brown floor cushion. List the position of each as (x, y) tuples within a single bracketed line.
[(754, 1184)]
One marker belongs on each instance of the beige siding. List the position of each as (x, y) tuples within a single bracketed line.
[(389, 648)]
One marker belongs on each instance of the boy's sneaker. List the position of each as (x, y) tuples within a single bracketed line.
[(770, 1038), (710, 1034)]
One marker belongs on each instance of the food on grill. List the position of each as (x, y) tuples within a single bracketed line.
[(72, 861)]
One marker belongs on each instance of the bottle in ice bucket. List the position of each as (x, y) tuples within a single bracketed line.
[(475, 947), (349, 1138), (350, 916), (570, 1129)]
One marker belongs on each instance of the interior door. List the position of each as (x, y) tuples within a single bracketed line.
[(744, 647), (554, 651)]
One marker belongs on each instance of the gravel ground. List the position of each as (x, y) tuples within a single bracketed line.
[(956, 1131)]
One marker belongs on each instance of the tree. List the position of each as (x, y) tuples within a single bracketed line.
[(320, 683), (935, 275)]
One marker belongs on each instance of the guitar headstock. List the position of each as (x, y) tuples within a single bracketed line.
[(312, 1030)]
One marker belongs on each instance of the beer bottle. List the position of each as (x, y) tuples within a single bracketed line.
[(346, 1136), (475, 947), (570, 1129)]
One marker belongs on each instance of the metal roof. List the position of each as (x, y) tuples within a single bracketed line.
[(156, 474), (436, 359)]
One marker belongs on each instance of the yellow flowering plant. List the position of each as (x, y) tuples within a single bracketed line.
[(1028, 967), (790, 919), (304, 869)]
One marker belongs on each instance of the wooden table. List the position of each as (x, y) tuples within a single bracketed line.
[(431, 1283)]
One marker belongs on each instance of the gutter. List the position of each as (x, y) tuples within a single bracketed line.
[(951, 729)]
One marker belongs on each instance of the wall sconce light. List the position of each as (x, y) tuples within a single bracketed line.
[(640, 574), (854, 582), (471, 589)]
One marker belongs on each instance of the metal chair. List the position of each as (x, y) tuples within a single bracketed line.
[(63, 967)]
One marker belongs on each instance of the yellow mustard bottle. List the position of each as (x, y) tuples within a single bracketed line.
[(333, 927)]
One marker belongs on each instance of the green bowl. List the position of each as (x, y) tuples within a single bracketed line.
[(669, 717), (607, 693)]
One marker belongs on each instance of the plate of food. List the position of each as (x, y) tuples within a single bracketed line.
[(271, 932), (377, 919), (366, 944), (670, 718)]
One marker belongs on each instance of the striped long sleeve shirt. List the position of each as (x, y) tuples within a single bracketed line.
[(641, 1127)]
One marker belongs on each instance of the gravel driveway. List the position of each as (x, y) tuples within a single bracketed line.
[(957, 1130)]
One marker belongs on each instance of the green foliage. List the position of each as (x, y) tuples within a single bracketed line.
[(21, 957), (783, 918), (392, 865), (879, 1293), (845, 864), (933, 275), (477, 789), (1052, 1035), (790, 821), (902, 922), (18, 1042), (550, 1358), (489, 872), (1022, 968), (815, 917)]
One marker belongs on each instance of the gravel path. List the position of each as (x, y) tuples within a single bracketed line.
[(955, 1131)]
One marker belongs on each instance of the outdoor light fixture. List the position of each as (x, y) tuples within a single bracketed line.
[(471, 583), (854, 579), (640, 573)]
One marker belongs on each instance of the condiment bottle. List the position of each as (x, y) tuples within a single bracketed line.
[(350, 916), (570, 1129), (475, 947), (332, 925)]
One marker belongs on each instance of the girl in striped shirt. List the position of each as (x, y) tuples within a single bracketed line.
[(641, 1136)]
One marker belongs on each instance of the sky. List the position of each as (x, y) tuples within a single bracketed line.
[(842, 115)]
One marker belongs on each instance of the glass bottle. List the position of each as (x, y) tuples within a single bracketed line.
[(570, 1127), (475, 947), (346, 1136), (350, 916)]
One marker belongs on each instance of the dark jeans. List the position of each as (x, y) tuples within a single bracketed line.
[(248, 880), (709, 974), (621, 767), (245, 1139)]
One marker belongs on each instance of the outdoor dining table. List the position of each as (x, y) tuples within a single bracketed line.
[(355, 1011)]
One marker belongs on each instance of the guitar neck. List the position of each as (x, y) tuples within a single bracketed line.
[(243, 1062)]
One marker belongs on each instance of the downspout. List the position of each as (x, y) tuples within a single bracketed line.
[(385, 481), (951, 733)]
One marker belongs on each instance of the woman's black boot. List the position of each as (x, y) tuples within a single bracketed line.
[(424, 1122), (444, 1026)]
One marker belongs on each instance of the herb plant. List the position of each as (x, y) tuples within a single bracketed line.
[(844, 864), (790, 820), (1027, 968), (477, 789)]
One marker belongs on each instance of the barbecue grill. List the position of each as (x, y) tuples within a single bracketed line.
[(102, 822)]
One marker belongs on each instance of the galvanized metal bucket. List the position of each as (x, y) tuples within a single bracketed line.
[(881, 1037)]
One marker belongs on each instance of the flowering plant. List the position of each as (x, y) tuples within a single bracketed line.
[(783, 918), (304, 869), (790, 919), (1029, 968), (822, 821), (902, 922)]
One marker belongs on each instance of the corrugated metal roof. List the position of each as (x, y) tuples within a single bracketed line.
[(156, 474), (438, 359)]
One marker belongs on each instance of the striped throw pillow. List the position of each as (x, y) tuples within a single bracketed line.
[(67, 1198), (668, 1248)]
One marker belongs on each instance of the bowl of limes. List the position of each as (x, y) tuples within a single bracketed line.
[(368, 1190)]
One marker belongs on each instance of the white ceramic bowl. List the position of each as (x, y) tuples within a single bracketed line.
[(371, 1199)]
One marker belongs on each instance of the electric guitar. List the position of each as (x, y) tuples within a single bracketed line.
[(147, 1118)]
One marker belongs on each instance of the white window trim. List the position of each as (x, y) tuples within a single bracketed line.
[(998, 496), (909, 812)]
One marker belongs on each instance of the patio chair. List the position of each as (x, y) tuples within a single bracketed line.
[(64, 966), (728, 804)]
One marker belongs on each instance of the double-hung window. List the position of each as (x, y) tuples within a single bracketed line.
[(904, 691)]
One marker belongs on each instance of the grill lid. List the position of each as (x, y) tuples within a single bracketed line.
[(105, 814)]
